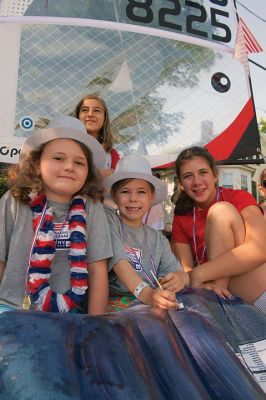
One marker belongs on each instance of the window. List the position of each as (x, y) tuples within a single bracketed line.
[(244, 182), (227, 180)]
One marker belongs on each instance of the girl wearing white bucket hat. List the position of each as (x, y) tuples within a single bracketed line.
[(141, 254), (51, 224)]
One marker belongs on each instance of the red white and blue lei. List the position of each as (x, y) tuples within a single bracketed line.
[(43, 251)]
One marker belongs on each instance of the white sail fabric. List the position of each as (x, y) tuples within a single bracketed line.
[(169, 78)]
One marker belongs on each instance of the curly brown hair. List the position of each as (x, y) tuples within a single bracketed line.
[(25, 177), (106, 137)]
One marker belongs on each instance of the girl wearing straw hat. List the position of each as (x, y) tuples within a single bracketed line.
[(51, 223), (142, 258)]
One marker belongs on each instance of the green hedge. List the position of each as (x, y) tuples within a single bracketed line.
[(3, 182), (3, 185)]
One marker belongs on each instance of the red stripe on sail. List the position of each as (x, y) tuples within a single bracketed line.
[(222, 146)]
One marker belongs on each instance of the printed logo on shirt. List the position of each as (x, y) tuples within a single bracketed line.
[(62, 236), (134, 257)]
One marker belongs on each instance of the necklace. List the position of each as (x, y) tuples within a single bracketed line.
[(142, 269), (218, 191), (43, 248)]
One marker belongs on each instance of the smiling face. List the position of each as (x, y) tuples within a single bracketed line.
[(64, 169), (92, 115), (134, 199), (198, 181)]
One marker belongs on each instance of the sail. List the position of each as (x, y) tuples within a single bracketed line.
[(166, 69)]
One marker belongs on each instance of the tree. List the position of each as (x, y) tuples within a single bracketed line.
[(262, 125), (81, 60), (3, 178)]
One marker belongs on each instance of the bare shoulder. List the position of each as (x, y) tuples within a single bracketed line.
[(252, 211), (255, 224)]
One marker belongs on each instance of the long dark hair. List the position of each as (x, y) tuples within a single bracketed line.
[(105, 137), (184, 203)]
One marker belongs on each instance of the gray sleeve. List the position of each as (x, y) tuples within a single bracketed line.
[(168, 262), (7, 219), (99, 245), (116, 237)]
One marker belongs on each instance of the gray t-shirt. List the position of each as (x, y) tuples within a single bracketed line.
[(141, 247), (16, 235)]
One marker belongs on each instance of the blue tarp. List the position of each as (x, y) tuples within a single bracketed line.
[(141, 353)]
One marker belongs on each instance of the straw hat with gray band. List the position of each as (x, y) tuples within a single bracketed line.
[(136, 166), (65, 127)]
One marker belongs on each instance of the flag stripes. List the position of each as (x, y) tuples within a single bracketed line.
[(245, 44), (252, 45)]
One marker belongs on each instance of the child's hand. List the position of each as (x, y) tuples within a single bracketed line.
[(195, 279), (175, 281), (159, 298), (218, 289), (219, 286)]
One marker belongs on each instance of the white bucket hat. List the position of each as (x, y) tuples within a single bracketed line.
[(136, 166), (65, 127)]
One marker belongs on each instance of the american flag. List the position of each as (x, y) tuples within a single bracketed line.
[(245, 44)]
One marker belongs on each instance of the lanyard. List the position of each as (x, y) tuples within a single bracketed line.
[(218, 191), (142, 269)]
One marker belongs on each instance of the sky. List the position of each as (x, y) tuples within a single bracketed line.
[(258, 28)]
